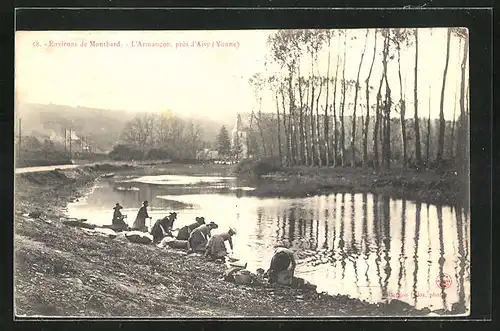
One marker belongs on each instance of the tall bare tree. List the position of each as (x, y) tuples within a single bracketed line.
[(326, 120), (257, 81), (442, 123), (273, 84), (318, 131), (428, 140), (452, 136), (334, 107), (367, 119), (342, 106), (418, 152), (386, 146), (285, 128), (302, 135), (401, 36), (357, 87), (285, 52), (461, 152), (376, 129)]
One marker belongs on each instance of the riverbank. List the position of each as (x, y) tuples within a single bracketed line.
[(425, 186), (60, 270)]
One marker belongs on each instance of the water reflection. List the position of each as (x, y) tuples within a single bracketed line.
[(376, 226), (366, 243), (362, 245), (415, 252), (441, 259), (402, 256), (460, 263), (387, 243)]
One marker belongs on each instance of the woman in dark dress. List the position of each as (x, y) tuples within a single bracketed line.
[(118, 224), (197, 241), (282, 262), (216, 247), (163, 227), (185, 231), (140, 220)]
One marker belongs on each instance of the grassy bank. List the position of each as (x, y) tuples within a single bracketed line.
[(425, 186), (61, 270)]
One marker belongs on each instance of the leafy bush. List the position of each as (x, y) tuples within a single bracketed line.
[(258, 167), (126, 153), (158, 154)]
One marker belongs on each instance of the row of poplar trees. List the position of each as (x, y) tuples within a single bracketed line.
[(311, 111)]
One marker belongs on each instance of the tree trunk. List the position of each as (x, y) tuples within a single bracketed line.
[(279, 130), (259, 126), (402, 110), (325, 120), (428, 140), (342, 107), (452, 137), (335, 129), (311, 123), (318, 149), (418, 152), (376, 132), (442, 123), (386, 147), (356, 89), (291, 121), (306, 125), (301, 121), (462, 128), (286, 131), (367, 120)]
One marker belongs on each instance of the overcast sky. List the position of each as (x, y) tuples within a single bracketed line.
[(203, 81)]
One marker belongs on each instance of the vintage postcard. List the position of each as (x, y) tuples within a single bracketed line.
[(246, 173)]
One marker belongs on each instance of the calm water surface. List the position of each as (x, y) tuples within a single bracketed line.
[(366, 246)]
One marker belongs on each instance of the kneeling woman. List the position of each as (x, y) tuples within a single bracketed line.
[(216, 247), (198, 239), (282, 266), (118, 224), (185, 231), (163, 227)]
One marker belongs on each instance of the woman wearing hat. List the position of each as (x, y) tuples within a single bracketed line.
[(185, 231), (216, 247), (163, 227), (197, 241), (118, 223), (140, 220)]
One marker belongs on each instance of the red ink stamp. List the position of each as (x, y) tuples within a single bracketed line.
[(443, 281)]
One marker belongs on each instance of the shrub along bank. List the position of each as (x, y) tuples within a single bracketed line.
[(427, 186)]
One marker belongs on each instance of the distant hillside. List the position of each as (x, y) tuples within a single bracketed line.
[(104, 127)]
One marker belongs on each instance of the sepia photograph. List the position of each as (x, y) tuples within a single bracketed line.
[(242, 173)]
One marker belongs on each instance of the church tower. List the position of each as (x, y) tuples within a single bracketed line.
[(239, 134)]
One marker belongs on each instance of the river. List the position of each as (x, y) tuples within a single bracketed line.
[(366, 246)]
